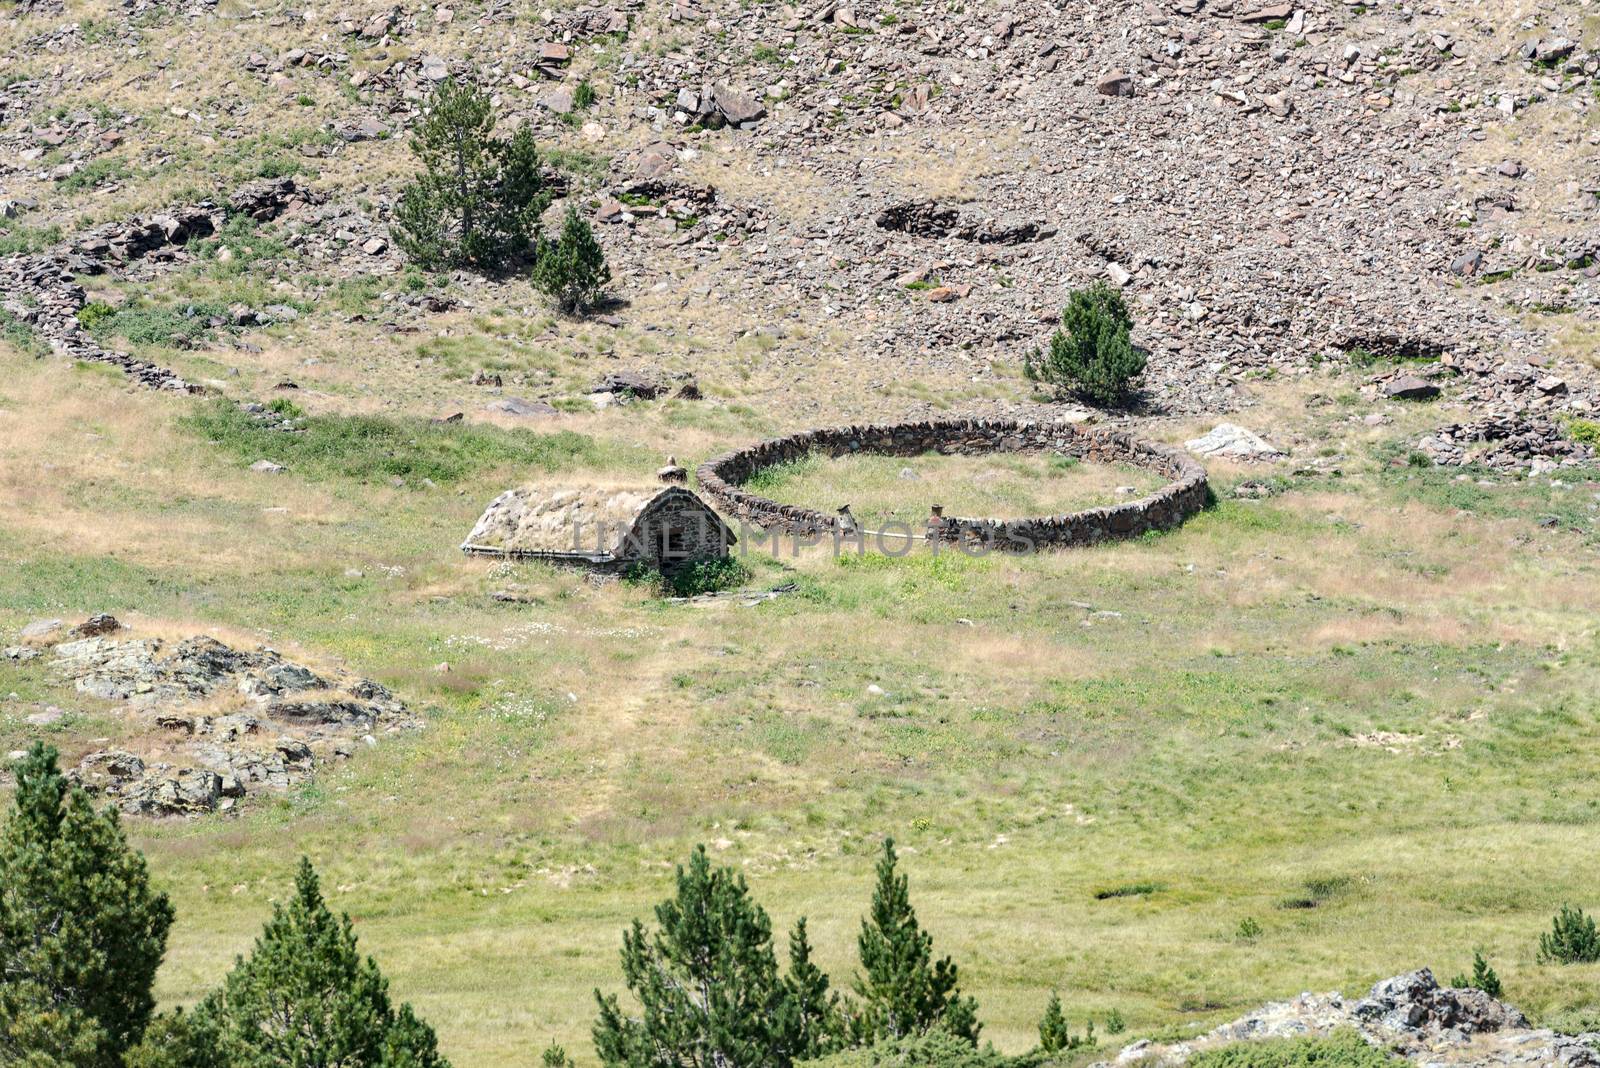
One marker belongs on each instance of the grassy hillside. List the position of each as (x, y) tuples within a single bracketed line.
[(1338, 726), (1360, 713)]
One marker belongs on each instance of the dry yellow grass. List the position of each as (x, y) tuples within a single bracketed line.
[(78, 450)]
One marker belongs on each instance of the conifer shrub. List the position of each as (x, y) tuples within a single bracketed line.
[(305, 996), (1091, 354), (572, 270), (812, 1017), (81, 930), (902, 990), (1572, 939), (1483, 977), (707, 986), (1055, 1036)]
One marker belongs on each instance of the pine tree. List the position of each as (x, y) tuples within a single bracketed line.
[(81, 932), (306, 997), (1572, 939), (812, 1018), (572, 271), (177, 1040), (904, 991), (478, 199), (706, 981), (1483, 977), (1091, 354), (1054, 1034)]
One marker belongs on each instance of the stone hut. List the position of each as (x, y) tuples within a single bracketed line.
[(602, 528)]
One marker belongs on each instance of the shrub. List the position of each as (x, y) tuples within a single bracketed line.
[(21, 336), (1483, 977), (903, 990), (1342, 1049), (1572, 939), (580, 163), (177, 326), (934, 1049), (707, 983), (94, 174), (1091, 354), (478, 200), (27, 239), (305, 996), (572, 271), (1115, 1024), (1127, 890), (248, 243), (1249, 930), (94, 313), (81, 932), (706, 576), (1583, 431)]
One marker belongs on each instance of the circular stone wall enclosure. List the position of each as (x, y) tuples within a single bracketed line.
[(1183, 496)]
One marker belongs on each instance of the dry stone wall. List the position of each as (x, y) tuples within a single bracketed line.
[(1183, 496), (41, 290)]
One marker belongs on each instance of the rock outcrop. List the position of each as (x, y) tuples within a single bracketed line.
[(214, 722), (1507, 442), (1411, 1014)]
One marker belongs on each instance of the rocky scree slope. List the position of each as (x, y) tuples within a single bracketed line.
[(1274, 185)]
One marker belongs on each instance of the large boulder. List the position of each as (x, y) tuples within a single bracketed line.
[(1232, 442), (737, 107), (1411, 388), (1416, 1001)]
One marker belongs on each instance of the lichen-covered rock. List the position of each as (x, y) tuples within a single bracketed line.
[(269, 197), (1411, 1014), (223, 720), (1233, 442)]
